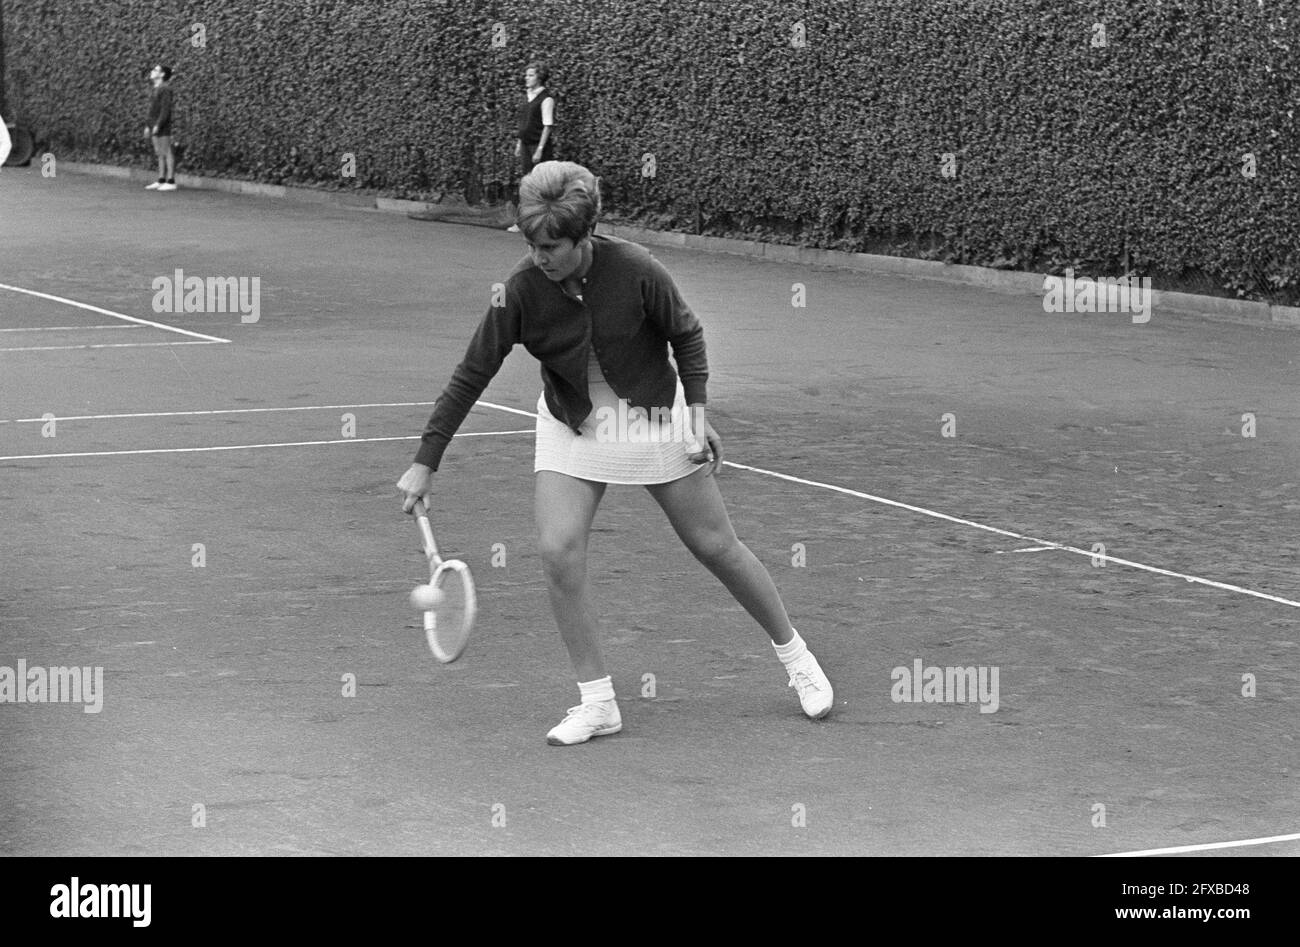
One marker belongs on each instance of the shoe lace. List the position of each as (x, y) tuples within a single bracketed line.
[(801, 681)]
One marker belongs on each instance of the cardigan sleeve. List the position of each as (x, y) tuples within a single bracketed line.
[(666, 307), (496, 335)]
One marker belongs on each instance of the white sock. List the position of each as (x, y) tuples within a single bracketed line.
[(595, 692), (792, 650)]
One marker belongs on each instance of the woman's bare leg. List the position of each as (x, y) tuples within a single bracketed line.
[(695, 509), (565, 508)]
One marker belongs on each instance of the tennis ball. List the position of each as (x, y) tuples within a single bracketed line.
[(425, 597)]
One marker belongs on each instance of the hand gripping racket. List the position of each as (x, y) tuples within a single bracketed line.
[(450, 615)]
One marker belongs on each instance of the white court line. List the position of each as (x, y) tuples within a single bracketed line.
[(1208, 846), (502, 407), (201, 450), (66, 328), (178, 414), (305, 407), (1021, 536), (109, 312), (103, 345)]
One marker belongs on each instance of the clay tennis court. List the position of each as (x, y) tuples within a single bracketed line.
[(223, 703)]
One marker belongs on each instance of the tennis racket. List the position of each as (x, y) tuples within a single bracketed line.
[(450, 616)]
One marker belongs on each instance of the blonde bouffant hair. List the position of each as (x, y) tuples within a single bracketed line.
[(558, 199)]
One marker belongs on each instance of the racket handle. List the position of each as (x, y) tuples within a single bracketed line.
[(421, 513)]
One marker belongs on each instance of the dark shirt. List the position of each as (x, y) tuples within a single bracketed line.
[(631, 316), (160, 110), (530, 119)]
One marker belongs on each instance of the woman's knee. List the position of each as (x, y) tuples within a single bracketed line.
[(563, 552), (713, 545)]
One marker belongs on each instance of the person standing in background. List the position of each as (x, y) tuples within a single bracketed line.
[(536, 121), (159, 128)]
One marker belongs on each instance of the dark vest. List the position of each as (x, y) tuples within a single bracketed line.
[(530, 118)]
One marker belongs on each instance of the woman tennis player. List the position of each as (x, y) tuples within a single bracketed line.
[(601, 314)]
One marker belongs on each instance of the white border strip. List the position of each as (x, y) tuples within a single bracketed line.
[(103, 345), (66, 328), (180, 414), (109, 312), (506, 408), (1208, 846), (305, 407), (201, 450)]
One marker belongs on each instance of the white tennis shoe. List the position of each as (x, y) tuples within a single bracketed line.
[(586, 721), (810, 683)]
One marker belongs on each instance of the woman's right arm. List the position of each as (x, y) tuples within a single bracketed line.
[(496, 335)]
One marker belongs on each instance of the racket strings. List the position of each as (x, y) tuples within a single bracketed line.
[(447, 625)]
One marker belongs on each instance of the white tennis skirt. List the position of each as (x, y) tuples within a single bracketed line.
[(618, 444)]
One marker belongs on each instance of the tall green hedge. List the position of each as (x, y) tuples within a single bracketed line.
[(823, 122)]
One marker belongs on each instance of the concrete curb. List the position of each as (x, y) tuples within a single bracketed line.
[(302, 195), (1003, 281)]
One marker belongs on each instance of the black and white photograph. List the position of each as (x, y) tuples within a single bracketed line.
[(691, 428)]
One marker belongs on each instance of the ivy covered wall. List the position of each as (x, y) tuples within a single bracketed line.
[(1157, 137)]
